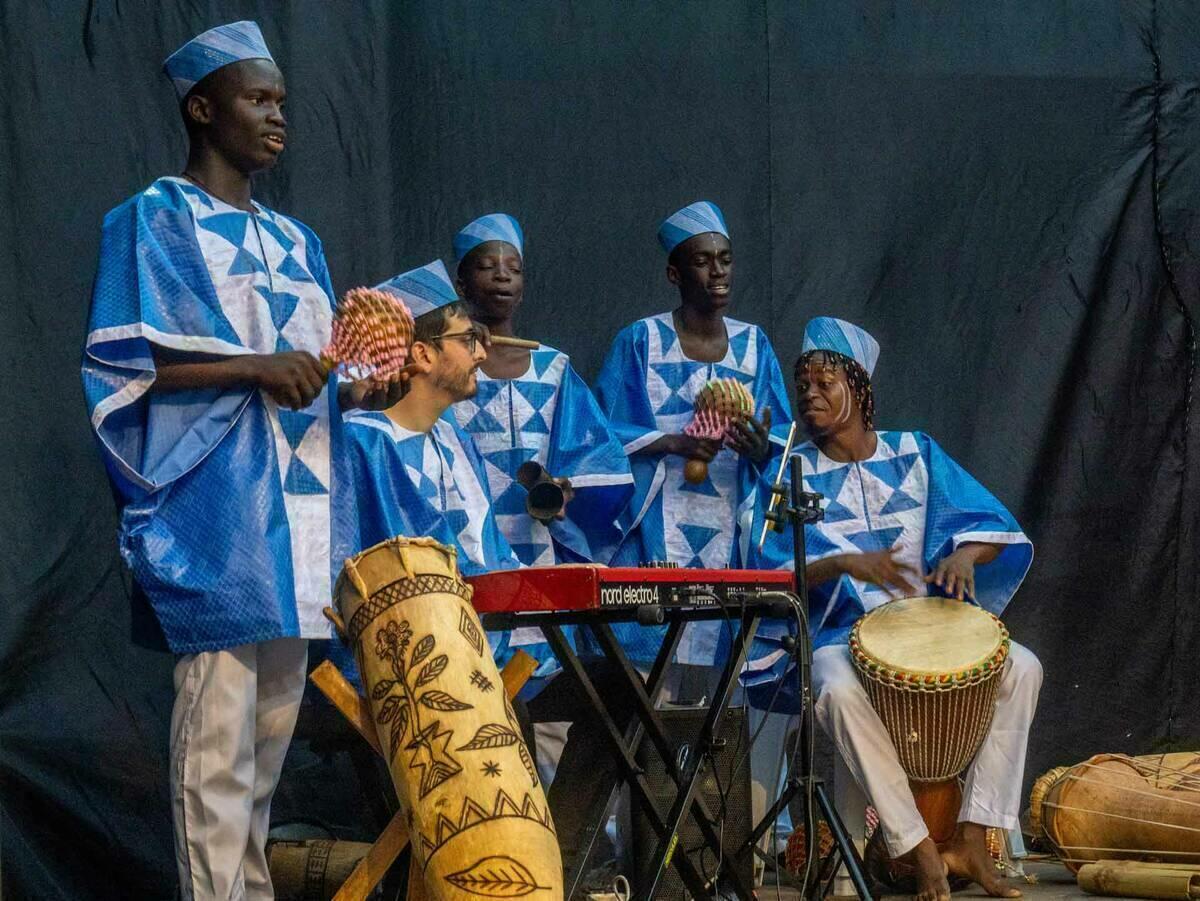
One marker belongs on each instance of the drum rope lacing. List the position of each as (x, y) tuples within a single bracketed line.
[(1191, 780)]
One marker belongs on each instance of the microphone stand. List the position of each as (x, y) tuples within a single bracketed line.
[(801, 509)]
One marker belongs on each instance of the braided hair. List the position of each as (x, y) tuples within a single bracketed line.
[(856, 378)]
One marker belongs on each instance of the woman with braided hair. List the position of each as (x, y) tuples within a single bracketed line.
[(901, 519)]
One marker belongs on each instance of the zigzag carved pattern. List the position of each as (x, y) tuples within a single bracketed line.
[(472, 814), (391, 595)]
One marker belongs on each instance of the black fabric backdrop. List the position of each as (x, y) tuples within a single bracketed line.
[(1005, 194)]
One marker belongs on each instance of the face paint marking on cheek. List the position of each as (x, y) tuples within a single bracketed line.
[(843, 414)]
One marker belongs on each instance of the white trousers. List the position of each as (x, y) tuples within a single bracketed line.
[(992, 796), (231, 725)]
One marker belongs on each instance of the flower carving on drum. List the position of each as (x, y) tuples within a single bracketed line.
[(409, 695)]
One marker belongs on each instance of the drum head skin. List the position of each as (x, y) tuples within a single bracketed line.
[(929, 636)]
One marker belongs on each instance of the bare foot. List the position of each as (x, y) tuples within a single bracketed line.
[(930, 871), (966, 855)]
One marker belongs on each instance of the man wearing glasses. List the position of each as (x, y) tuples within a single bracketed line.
[(416, 472)]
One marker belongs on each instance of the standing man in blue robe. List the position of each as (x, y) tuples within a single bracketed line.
[(648, 388), (902, 519), (531, 405), (218, 427)]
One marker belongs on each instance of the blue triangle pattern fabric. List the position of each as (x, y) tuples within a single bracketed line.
[(511, 501), (301, 480), (289, 268), (830, 485), (537, 425), (892, 439), (810, 455), (674, 375), (817, 545), (674, 405), (666, 336), (706, 488), (899, 502), (245, 263), (698, 537), (483, 421), (281, 303), (537, 393), (230, 226), (739, 343), (268, 225), (894, 471), (877, 540), (542, 360), (457, 520), (201, 197), (282, 344), (728, 372), (529, 553), (295, 425)]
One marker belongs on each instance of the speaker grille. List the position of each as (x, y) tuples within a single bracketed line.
[(682, 726)]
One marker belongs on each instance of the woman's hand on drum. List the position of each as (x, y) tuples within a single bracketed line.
[(882, 568)]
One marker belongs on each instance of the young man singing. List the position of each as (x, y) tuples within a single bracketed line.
[(219, 429)]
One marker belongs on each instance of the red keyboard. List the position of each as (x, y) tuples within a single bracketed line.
[(573, 587)]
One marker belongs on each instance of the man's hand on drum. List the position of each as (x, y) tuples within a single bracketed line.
[(882, 568), (955, 574)]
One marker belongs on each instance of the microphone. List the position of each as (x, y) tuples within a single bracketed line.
[(771, 519)]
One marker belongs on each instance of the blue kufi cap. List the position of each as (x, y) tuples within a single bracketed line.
[(216, 48), (492, 227), (845, 338), (423, 289), (697, 218)]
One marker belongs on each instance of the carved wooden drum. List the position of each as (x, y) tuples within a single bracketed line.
[(931, 667), (476, 813)]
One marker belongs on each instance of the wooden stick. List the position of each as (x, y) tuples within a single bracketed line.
[(372, 868), (349, 702), (508, 341)]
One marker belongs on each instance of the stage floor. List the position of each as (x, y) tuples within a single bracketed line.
[(1054, 882)]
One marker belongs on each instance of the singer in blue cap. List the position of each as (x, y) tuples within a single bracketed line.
[(648, 387), (902, 519), (220, 431)]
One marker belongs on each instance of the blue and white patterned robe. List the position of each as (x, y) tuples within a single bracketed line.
[(909, 495), (227, 521), (648, 389), (434, 485), (548, 415)]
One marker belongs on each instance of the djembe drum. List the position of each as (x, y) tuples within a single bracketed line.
[(1114, 807), (931, 668), (476, 813)]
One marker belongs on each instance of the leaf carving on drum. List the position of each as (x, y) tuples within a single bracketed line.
[(498, 876), (432, 670), (422, 650), (440, 700), (491, 735)]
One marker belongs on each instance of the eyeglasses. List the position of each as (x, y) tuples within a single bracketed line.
[(470, 338)]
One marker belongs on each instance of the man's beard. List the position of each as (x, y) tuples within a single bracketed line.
[(461, 387)]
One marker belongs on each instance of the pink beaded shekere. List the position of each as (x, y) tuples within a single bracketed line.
[(372, 332), (719, 406)]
